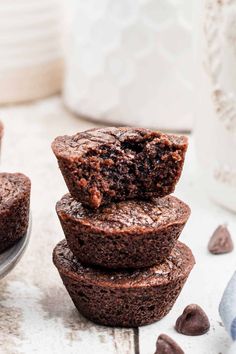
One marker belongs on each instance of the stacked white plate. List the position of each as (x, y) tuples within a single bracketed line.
[(30, 49), (130, 62)]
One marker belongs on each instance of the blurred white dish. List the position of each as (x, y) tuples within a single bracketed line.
[(30, 49), (129, 62), (10, 258)]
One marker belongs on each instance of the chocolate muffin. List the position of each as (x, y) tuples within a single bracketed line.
[(14, 208), (127, 298), (128, 234), (115, 164)]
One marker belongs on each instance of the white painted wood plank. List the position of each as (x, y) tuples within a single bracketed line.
[(36, 313), (210, 275)]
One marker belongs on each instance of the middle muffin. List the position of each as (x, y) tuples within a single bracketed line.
[(128, 234)]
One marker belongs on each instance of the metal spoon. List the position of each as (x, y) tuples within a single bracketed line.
[(10, 258)]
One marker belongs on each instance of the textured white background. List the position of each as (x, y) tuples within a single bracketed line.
[(131, 61), (36, 314)]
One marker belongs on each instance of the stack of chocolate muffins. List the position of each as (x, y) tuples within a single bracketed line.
[(121, 262)]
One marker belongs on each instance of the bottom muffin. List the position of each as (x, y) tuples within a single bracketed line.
[(128, 298)]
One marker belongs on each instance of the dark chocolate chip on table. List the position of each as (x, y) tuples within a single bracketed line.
[(193, 321), (166, 345), (221, 241)]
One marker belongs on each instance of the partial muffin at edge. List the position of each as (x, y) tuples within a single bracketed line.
[(124, 298), (14, 208)]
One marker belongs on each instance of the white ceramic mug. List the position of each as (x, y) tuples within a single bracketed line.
[(215, 128), (130, 62)]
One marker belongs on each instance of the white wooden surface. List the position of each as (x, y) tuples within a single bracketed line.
[(36, 314)]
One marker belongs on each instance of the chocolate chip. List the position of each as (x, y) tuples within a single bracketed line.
[(221, 241), (166, 345), (193, 321)]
